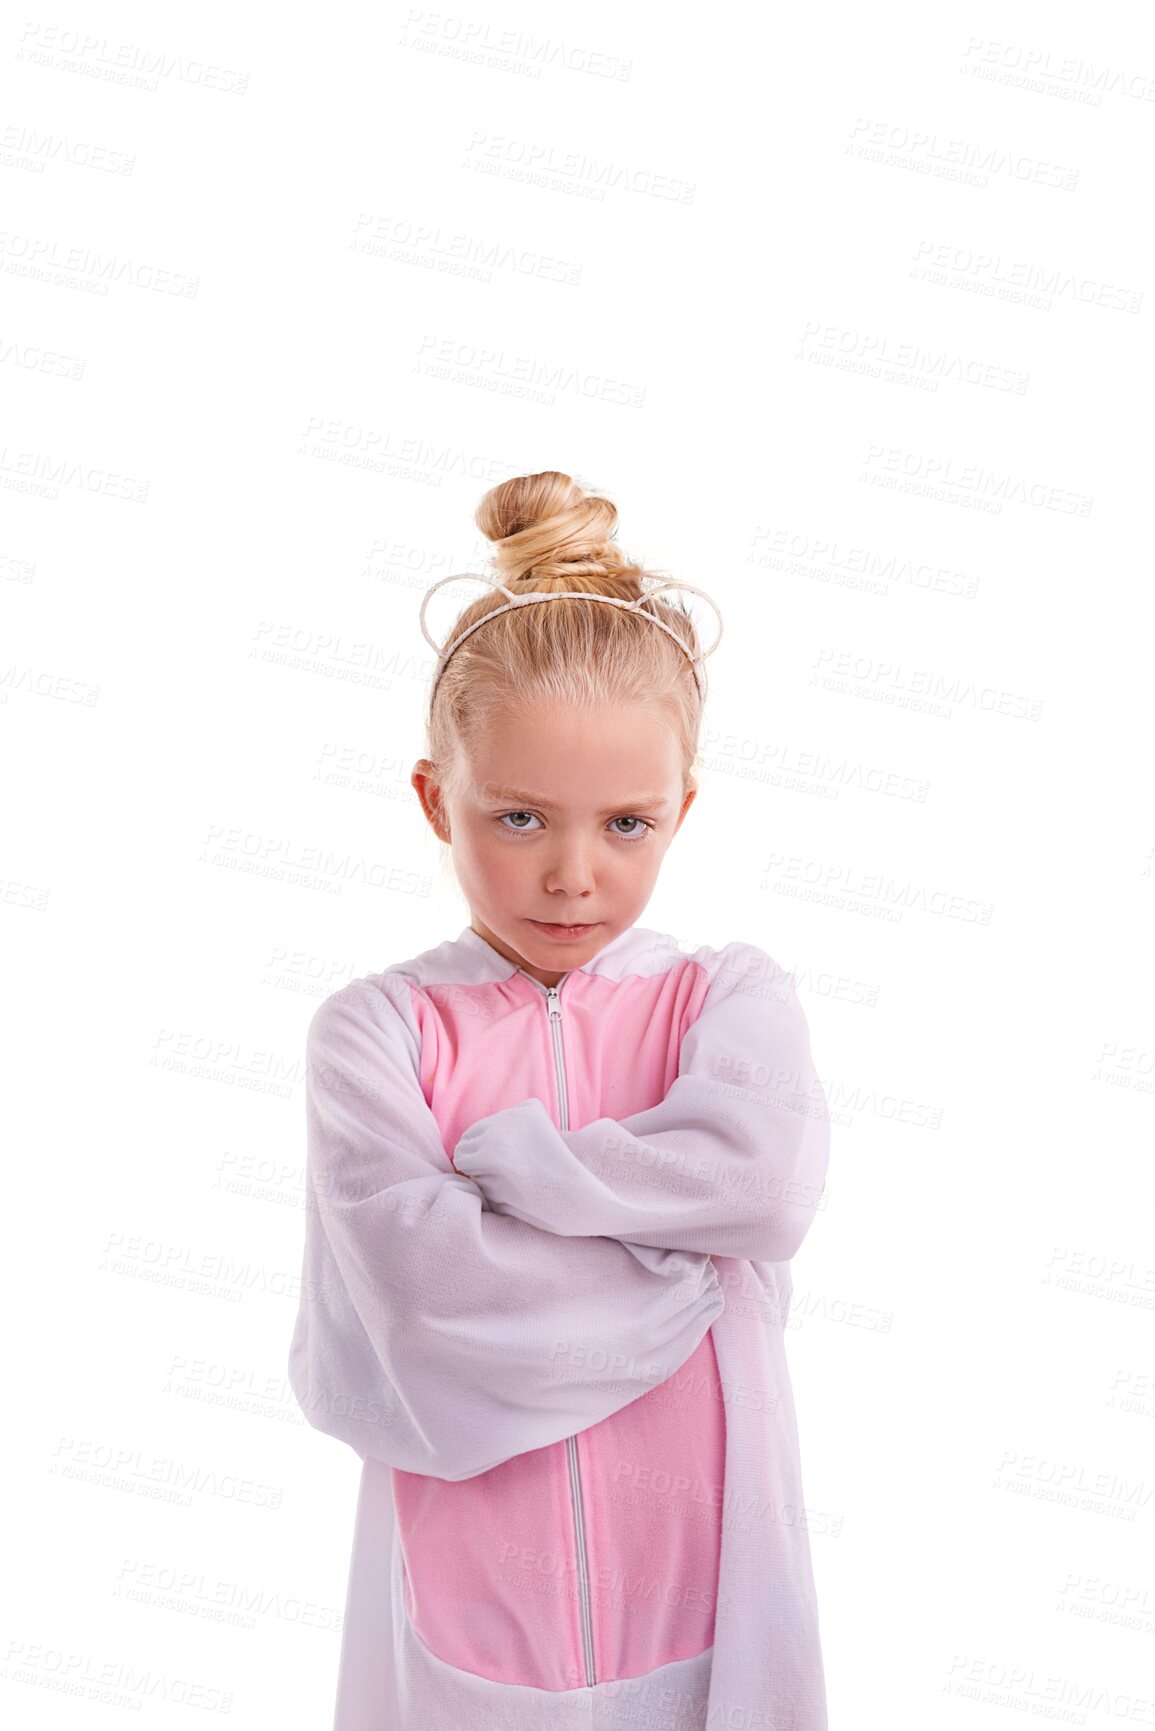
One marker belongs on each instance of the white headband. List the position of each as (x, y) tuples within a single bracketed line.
[(652, 586)]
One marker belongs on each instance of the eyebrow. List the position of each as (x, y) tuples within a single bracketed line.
[(655, 801)]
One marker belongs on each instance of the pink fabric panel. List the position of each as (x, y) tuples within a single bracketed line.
[(621, 1039), (490, 1562), (481, 1047), (655, 1473), (485, 1046), (491, 1569), (652, 1473)]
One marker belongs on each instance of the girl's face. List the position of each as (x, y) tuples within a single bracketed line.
[(564, 819)]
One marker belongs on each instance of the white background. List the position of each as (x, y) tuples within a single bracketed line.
[(849, 311)]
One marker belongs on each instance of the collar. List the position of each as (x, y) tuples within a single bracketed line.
[(595, 964)]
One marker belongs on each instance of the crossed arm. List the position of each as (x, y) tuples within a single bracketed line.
[(433, 1333), (451, 1319), (731, 1163)]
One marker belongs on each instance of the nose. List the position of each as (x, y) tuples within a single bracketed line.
[(569, 873)]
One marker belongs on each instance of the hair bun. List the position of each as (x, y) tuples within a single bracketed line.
[(546, 526)]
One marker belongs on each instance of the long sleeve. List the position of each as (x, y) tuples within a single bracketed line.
[(432, 1333), (731, 1163)]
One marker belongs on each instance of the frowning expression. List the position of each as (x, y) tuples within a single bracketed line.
[(563, 821)]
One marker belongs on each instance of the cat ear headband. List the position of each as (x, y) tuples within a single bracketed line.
[(651, 586)]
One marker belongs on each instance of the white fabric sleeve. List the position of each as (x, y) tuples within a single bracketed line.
[(432, 1333), (731, 1163)]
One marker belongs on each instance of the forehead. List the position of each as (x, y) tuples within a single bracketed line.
[(580, 760)]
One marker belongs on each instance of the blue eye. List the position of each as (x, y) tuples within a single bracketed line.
[(645, 827), (522, 829)]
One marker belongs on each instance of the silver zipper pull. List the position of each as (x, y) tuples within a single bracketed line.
[(553, 1002)]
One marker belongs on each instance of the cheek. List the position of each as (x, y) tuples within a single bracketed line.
[(629, 867), (490, 856), (651, 854)]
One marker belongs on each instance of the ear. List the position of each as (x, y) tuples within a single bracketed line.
[(691, 796), (425, 781)]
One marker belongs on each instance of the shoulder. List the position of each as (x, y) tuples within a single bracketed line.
[(746, 1018), (394, 992), (372, 1008), (737, 966), (744, 967)]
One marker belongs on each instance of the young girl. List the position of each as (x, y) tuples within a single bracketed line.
[(557, 1169)]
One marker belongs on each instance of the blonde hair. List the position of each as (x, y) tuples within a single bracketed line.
[(551, 534)]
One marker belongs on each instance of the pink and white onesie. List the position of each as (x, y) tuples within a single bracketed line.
[(546, 1280)]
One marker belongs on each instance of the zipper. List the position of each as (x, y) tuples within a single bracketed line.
[(553, 1006), (583, 1562)]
